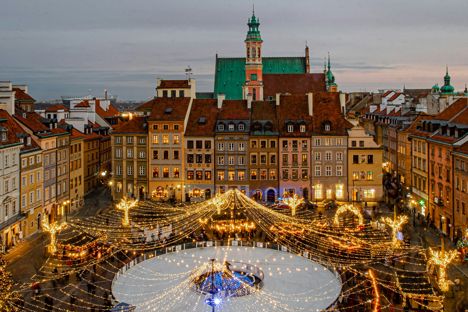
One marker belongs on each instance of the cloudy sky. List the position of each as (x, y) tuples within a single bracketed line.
[(65, 47)]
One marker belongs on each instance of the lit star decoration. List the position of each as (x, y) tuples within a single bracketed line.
[(293, 202), (53, 228), (442, 259), (350, 208), (125, 205), (395, 225)]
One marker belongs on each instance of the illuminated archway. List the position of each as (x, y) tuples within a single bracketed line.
[(344, 208)]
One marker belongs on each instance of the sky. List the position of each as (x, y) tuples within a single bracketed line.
[(76, 48)]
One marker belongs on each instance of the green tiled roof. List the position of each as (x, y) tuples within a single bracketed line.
[(230, 72)]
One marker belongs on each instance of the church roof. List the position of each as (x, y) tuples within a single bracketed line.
[(293, 83), (230, 72)]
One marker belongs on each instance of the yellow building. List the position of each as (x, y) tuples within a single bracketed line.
[(76, 170), (364, 167), (31, 187)]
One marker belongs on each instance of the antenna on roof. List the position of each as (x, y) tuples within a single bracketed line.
[(188, 72)]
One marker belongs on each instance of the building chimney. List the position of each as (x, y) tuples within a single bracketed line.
[(221, 98), (310, 102), (249, 101), (343, 103), (278, 97), (105, 94), (307, 59)]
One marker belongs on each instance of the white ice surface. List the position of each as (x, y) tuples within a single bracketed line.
[(291, 283)]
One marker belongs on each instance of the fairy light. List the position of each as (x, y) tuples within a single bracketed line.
[(442, 259), (376, 291), (350, 208), (52, 228), (125, 205), (395, 224), (293, 202)]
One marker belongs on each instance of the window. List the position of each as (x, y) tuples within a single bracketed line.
[(220, 175), (339, 141), (190, 144), (142, 170), (240, 160), (290, 128), (155, 127), (304, 145), (181, 93), (176, 155), (241, 127), (272, 159), (253, 144), (118, 140), (166, 155), (361, 143), (353, 143), (176, 172), (294, 159), (328, 155), (370, 159), (263, 159), (231, 175), (166, 127), (220, 146), (339, 171), (253, 174), (263, 144), (141, 154), (327, 127), (230, 147), (129, 152), (285, 144), (318, 191), (285, 174), (207, 159), (231, 127), (241, 175), (339, 191), (199, 144), (302, 128), (220, 127), (272, 144), (241, 147), (155, 154), (318, 156), (272, 174), (339, 156), (176, 127), (294, 145), (165, 172), (369, 193), (231, 160), (129, 170), (285, 159), (175, 139), (208, 175), (253, 77), (156, 172), (318, 171), (165, 139), (304, 174), (328, 171), (119, 170), (199, 175), (142, 140), (253, 159), (208, 145), (129, 140), (317, 142), (355, 159), (190, 175), (220, 160)]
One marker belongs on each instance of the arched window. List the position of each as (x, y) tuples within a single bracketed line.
[(253, 52), (258, 53)]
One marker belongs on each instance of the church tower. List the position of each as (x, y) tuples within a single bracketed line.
[(330, 78), (253, 85)]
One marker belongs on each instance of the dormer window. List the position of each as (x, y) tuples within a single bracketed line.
[(3, 133), (290, 128), (327, 126), (221, 127), (231, 127), (302, 128), (241, 126)]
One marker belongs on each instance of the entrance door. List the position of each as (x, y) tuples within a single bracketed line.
[(271, 196), (207, 194)]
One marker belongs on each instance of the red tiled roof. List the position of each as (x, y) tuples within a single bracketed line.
[(83, 103), (174, 84), (134, 125), (202, 119), (292, 83), (76, 134), (453, 110), (234, 110), (32, 121), (387, 93), (56, 107), (294, 108), (147, 106), (327, 108), (6, 121), (394, 97), (265, 110), (169, 109), (21, 95), (109, 113)]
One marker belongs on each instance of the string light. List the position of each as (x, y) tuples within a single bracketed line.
[(344, 208), (396, 225), (293, 202), (442, 259)]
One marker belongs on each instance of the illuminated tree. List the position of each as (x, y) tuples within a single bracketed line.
[(293, 202), (125, 205), (442, 259), (8, 296), (53, 229), (395, 224)]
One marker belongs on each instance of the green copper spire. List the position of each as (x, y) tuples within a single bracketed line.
[(466, 90), (329, 75), (447, 88), (253, 34)]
